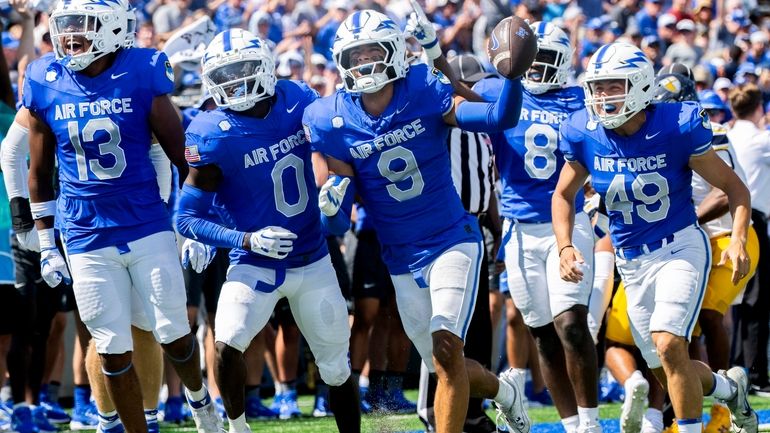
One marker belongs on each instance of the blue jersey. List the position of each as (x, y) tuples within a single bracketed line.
[(109, 192), (644, 179), (527, 156), (267, 172), (401, 165)]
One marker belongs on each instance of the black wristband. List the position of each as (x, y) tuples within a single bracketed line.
[(21, 215), (564, 248)]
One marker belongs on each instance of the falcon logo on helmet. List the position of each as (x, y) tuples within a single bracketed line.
[(83, 31), (238, 69), (618, 62), (552, 64), (369, 72)]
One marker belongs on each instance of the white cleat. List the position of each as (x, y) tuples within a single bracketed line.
[(589, 428), (743, 419), (632, 413), (232, 430), (515, 416), (205, 415)]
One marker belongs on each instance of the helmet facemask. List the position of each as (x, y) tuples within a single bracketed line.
[(547, 72), (624, 104), (373, 74), (239, 85)]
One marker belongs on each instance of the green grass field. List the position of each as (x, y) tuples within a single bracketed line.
[(400, 423)]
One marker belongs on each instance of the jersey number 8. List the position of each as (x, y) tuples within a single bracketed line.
[(534, 151)]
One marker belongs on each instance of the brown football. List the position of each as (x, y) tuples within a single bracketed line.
[(512, 47)]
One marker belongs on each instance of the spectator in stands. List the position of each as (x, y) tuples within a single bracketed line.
[(703, 13), (684, 50), (170, 16), (338, 11), (752, 148), (666, 30), (228, 15), (680, 10), (647, 18)]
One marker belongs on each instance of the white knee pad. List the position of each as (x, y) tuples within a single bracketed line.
[(112, 338), (335, 373)]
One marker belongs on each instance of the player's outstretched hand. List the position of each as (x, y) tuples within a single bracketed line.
[(29, 240), (197, 255), (272, 241), (53, 268), (570, 264), (331, 195), (739, 259), (419, 26)]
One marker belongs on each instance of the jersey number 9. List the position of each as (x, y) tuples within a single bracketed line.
[(410, 171)]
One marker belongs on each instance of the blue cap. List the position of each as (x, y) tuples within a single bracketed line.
[(739, 16), (9, 41), (649, 40), (595, 23), (709, 100), (191, 78), (746, 68)]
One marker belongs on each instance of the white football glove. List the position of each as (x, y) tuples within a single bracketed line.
[(272, 241), (53, 268), (419, 26), (29, 240), (331, 195), (197, 255)]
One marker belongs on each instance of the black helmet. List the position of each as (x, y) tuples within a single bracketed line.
[(674, 87)]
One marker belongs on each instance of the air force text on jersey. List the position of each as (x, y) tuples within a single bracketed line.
[(100, 107), (633, 165), (543, 116), (260, 155), (391, 138)]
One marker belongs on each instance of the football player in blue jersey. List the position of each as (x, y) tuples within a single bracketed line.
[(528, 160), (94, 108), (253, 155), (384, 135), (641, 159)]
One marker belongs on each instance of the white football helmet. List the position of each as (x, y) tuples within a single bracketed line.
[(619, 61), (550, 69), (369, 27), (238, 70), (104, 23)]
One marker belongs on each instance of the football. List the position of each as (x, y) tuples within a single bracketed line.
[(512, 47)]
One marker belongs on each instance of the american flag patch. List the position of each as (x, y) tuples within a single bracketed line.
[(191, 154)]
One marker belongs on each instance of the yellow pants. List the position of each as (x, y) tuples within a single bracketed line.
[(720, 291)]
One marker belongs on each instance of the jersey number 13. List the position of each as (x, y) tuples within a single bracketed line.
[(110, 147)]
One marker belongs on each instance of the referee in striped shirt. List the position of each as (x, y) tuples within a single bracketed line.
[(473, 174)]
